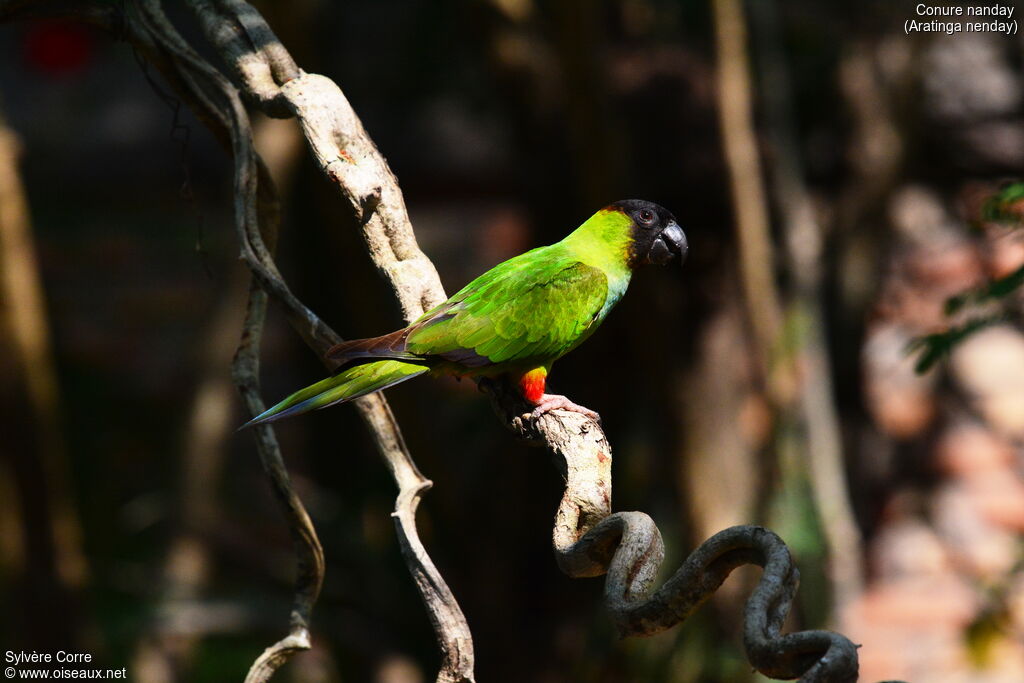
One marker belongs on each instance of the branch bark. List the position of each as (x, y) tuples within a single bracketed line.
[(588, 539)]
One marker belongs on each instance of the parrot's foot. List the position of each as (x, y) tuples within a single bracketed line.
[(549, 402)]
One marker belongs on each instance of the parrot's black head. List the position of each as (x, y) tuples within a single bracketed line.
[(656, 237)]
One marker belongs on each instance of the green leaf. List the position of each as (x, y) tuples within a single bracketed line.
[(935, 347), (1006, 205), (996, 289)]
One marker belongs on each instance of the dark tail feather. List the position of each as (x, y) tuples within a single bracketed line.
[(345, 386), (386, 346)]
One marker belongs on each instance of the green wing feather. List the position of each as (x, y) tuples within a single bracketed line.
[(535, 307)]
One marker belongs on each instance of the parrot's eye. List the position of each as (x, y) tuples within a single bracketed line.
[(646, 216)]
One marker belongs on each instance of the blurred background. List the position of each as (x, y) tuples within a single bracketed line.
[(839, 182)]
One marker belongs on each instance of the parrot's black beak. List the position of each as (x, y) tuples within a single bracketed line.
[(670, 244)]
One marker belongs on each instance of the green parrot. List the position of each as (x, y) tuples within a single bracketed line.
[(515, 320)]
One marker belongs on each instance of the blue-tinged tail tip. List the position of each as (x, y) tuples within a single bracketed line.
[(262, 418)]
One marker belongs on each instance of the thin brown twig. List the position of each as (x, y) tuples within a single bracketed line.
[(255, 210)]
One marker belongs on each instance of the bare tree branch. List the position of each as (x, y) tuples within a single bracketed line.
[(590, 540), (450, 625), (207, 86)]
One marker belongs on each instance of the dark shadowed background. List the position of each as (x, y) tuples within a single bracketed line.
[(135, 523)]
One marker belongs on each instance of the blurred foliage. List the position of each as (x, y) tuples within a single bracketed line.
[(995, 290), (1005, 207), (935, 347)]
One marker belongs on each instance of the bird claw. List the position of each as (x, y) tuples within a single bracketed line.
[(549, 402)]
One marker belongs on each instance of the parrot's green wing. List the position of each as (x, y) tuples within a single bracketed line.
[(535, 307)]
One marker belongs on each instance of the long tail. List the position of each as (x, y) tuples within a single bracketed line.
[(354, 382)]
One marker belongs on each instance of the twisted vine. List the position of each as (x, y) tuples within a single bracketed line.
[(588, 539)]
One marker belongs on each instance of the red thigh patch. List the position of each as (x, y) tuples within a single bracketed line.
[(532, 384)]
